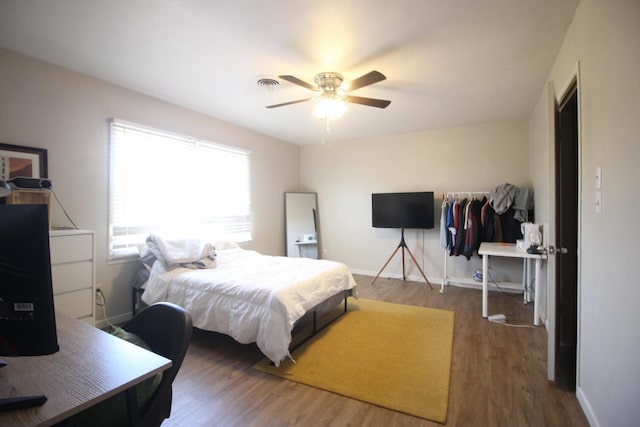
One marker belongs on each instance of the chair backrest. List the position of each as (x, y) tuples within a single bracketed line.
[(167, 329)]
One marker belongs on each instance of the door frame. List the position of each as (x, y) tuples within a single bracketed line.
[(555, 96)]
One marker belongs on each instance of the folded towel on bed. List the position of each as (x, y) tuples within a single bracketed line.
[(207, 262), (188, 252)]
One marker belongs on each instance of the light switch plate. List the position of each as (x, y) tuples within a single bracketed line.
[(598, 178)]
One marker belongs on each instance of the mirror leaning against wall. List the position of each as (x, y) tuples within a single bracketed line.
[(301, 213)]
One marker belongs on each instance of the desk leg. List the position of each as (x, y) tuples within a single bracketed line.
[(525, 278), (526, 281), (536, 297), (485, 289)]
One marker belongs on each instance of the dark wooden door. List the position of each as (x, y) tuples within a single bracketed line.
[(566, 150)]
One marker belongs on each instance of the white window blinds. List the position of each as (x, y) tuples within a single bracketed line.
[(163, 182)]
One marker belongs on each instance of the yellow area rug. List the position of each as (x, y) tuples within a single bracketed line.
[(390, 355)]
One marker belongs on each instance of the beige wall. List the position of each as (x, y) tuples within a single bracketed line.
[(472, 158), (66, 113), (603, 39), (541, 167)]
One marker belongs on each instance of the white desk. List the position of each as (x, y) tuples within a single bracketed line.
[(510, 251), (305, 243)]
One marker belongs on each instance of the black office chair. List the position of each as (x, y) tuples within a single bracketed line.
[(166, 328)]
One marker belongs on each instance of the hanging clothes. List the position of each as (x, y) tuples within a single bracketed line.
[(511, 230), (470, 231), (473, 227), (444, 231), (501, 197), (466, 223), (451, 235), (460, 230), (522, 204), (497, 225), (486, 219)]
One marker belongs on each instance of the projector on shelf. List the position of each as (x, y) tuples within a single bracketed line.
[(25, 183)]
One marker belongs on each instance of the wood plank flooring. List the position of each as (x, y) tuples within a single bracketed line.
[(498, 374)]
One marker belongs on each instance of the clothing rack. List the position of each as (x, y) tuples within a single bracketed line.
[(456, 195), (469, 194)]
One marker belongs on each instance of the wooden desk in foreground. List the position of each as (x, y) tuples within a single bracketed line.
[(90, 367)]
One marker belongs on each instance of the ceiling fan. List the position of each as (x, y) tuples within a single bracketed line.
[(330, 86)]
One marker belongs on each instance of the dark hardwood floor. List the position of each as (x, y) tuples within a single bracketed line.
[(498, 374)]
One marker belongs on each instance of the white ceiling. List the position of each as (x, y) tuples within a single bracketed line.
[(448, 62)]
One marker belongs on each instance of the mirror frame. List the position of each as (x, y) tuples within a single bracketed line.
[(301, 234)]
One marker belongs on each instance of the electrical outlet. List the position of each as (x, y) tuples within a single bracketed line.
[(99, 297), (325, 253)]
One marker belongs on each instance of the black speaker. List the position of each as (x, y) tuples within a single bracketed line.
[(31, 183)]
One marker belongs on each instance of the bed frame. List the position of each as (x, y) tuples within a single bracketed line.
[(315, 330), (143, 275)]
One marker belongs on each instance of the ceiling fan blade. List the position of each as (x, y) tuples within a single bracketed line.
[(366, 80), (288, 103), (299, 82), (371, 102)]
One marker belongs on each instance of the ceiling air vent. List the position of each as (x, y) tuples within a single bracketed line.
[(268, 83)]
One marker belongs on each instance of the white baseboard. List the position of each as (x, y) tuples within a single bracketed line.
[(470, 283), (586, 408), (435, 281), (412, 278), (115, 320), (455, 281)]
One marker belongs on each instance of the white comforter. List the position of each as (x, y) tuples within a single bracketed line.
[(249, 296)]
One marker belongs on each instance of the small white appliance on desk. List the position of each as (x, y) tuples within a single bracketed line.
[(531, 236)]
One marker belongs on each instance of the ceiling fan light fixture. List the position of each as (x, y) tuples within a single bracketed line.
[(330, 107), (332, 94), (329, 82)]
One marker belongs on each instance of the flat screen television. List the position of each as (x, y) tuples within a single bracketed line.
[(27, 315), (402, 210)]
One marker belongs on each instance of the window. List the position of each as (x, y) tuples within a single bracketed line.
[(163, 182)]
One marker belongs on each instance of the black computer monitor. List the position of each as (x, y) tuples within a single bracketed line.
[(27, 315)]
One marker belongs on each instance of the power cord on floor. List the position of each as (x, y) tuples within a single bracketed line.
[(477, 276), (513, 325), (101, 301), (501, 319)]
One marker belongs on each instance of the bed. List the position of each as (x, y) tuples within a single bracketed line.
[(242, 293)]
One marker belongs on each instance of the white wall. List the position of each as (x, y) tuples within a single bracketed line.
[(472, 158), (604, 38), (66, 113), (541, 161)]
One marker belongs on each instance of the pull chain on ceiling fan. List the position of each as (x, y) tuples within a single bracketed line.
[(333, 93)]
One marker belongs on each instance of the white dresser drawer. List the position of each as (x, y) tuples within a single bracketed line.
[(75, 304), (73, 272), (78, 247), (72, 276)]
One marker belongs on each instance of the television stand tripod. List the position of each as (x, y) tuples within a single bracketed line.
[(404, 247)]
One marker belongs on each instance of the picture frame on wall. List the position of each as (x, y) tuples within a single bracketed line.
[(19, 161)]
